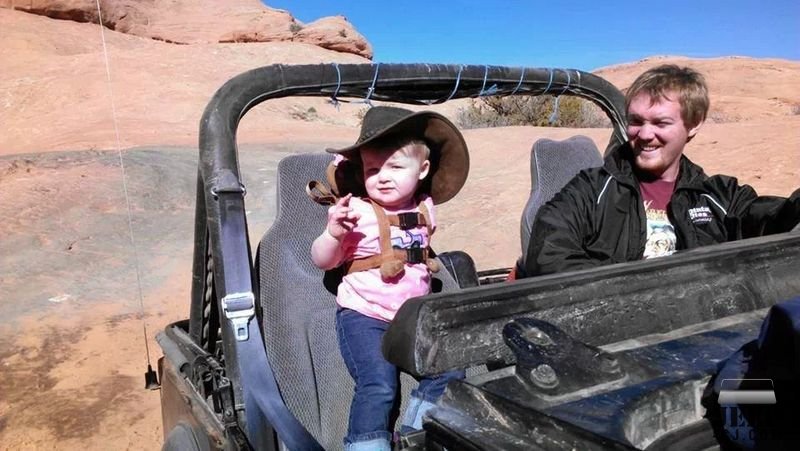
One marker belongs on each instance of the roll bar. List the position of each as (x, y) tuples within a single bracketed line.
[(220, 221)]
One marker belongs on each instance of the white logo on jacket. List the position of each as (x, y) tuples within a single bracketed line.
[(700, 215)]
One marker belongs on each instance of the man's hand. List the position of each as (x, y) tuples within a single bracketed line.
[(342, 218)]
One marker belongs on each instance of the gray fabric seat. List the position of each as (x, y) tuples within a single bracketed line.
[(553, 165), (298, 311)]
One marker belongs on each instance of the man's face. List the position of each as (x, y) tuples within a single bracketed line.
[(658, 134), (391, 177)]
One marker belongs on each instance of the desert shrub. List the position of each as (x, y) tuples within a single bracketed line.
[(494, 111), (795, 109), (295, 27), (593, 116), (308, 115), (343, 33)]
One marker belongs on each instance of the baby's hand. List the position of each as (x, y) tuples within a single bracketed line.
[(342, 218)]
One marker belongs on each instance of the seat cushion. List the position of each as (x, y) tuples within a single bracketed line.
[(553, 165)]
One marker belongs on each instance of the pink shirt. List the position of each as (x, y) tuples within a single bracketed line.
[(365, 291)]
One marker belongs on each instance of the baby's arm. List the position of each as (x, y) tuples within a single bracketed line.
[(326, 251)]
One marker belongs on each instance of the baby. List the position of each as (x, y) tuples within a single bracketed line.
[(379, 231)]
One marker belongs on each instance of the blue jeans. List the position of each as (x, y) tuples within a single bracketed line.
[(376, 383)]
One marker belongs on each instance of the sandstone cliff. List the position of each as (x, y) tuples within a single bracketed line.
[(203, 21)]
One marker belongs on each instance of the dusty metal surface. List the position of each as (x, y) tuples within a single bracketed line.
[(601, 306), (658, 392)]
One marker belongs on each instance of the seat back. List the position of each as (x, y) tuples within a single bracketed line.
[(553, 165), (298, 311)]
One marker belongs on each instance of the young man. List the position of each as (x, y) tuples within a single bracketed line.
[(648, 199)]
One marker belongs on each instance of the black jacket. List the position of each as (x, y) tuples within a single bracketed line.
[(598, 218)]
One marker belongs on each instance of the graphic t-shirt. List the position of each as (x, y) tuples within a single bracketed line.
[(660, 232)]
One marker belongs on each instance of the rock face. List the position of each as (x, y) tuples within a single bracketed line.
[(335, 33), (203, 21), (53, 69)]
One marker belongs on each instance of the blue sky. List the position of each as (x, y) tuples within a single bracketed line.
[(564, 33)]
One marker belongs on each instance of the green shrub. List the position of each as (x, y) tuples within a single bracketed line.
[(295, 27), (494, 111)]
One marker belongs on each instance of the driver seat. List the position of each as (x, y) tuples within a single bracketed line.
[(553, 165)]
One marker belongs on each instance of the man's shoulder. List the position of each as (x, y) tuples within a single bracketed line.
[(590, 177), (697, 176), (721, 182), (586, 186), (722, 178), (723, 189)]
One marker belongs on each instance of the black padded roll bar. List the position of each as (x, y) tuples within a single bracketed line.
[(404, 83), (226, 280)]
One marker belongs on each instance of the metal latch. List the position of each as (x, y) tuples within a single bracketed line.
[(239, 308), (408, 220)]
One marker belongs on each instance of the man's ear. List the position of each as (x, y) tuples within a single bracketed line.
[(693, 131), (424, 168)]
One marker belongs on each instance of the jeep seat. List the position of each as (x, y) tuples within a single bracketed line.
[(553, 165), (298, 311)]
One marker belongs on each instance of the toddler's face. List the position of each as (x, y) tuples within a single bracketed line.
[(391, 176)]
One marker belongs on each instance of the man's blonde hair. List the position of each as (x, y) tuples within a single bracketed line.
[(689, 85)]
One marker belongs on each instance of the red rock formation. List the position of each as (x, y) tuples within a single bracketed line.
[(203, 21), (335, 33)]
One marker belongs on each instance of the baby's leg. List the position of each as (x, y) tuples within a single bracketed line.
[(375, 378), (424, 398)]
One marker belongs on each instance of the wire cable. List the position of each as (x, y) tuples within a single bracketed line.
[(124, 183)]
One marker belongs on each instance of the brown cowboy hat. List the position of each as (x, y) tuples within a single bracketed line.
[(449, 157)]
